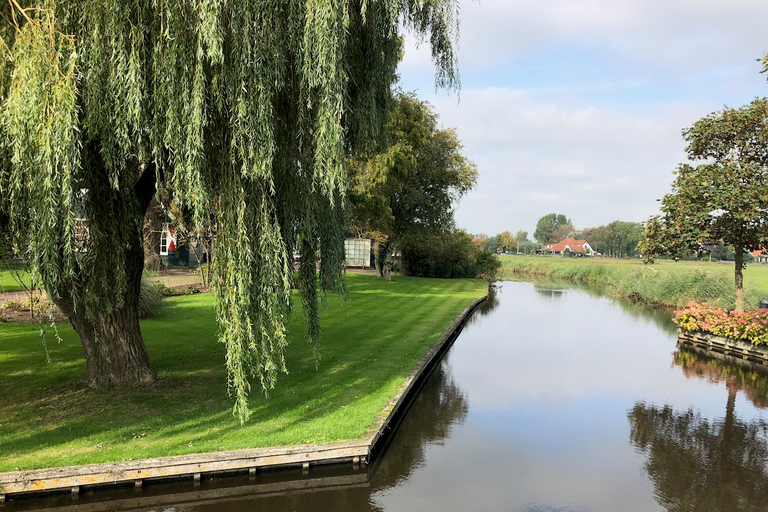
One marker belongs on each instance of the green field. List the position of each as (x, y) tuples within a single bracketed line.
[(8, 282), (665, 282), (49, 418)]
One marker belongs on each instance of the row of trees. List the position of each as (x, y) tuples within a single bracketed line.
[(617, 239), (245, 110), (507, 242)]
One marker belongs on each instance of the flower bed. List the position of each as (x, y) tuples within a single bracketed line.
[(751, 326)]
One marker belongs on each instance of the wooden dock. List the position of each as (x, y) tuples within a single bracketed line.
[(74, 479), (709, 343)]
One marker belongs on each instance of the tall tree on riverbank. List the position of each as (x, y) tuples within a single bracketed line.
[(245, 107), (548, 225), (724, 198), (413, 184)]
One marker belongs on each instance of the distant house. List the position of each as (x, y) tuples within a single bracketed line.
[(760, 255), (569, 247)]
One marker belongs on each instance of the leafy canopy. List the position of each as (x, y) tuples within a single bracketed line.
[(548, 225), (725, 197), (413, 183)]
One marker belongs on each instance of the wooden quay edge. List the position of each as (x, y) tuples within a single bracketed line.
[(732, 348)]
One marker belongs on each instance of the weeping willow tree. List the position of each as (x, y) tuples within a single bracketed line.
[(245, 108)]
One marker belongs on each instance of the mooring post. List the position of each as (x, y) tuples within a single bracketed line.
[(251, 473)]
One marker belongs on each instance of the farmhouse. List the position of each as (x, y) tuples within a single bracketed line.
[(569, 247)]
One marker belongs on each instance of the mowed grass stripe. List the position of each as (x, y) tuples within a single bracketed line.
[(48, 418)]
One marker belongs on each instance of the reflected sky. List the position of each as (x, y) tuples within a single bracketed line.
[(550, 376), (553, 399)]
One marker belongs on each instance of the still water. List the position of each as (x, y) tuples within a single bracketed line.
[(553, 399)]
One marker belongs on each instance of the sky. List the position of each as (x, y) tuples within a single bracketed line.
[(577, 106)]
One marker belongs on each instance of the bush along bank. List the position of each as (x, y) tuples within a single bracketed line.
[(751, 326), (671, 287)]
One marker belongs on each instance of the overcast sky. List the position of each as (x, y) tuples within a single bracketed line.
[(577, 106)]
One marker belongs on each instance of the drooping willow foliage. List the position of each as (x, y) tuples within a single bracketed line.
[(242, 107)]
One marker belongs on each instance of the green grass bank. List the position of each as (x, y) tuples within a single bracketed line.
[(8, 282), (666, 282), (49, 418)]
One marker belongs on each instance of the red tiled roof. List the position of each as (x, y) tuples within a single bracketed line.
[(572, 244)]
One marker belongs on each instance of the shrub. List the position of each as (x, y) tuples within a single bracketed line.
[(751, 326), (150, 299), (13, 305), (449, 254)]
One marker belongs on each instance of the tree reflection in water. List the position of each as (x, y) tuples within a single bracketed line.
[(739, 375), (700, 465)]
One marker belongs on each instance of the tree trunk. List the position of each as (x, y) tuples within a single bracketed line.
[(377, 258), (739, 276), (152, 225), (386, 270), (113, 347)]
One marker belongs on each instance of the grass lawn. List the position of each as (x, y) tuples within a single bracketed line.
[(8, 282), (48, 417), (666, 281)]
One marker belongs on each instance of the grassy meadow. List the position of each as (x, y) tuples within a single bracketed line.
[(666, 282), (49, 418), (8, 282)]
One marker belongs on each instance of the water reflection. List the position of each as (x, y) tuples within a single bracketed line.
[(737, 375), (439, 407), (555, 288), (700, 465), (491, 303)]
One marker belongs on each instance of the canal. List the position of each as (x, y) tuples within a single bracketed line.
[(552, 399)]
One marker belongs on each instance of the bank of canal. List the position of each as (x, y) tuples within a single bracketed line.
[(553, 399)]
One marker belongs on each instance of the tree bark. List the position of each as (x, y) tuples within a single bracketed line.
[(739, 276), (386, 269), (152, 226), (377, 257), (113, 346)]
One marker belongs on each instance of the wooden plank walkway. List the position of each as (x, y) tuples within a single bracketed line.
[(74, 478)]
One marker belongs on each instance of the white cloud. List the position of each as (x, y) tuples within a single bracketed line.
[(576, 106), (688, 33), (535, 156)]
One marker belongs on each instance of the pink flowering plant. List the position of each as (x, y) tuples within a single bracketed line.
[(750, 326)]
